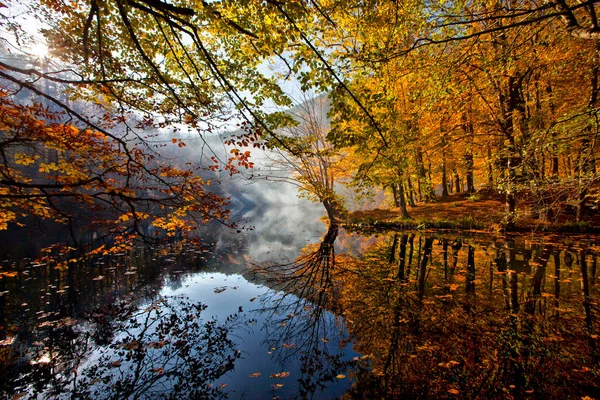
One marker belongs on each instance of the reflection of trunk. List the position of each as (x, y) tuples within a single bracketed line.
[(423, 266), (585, 292), (556, 257), (411, 242), (500, 261), (392, 257), (537, 276), (456, 246), (402, 263), (445, 253), (512, 277), (593, 270), (470, 277)]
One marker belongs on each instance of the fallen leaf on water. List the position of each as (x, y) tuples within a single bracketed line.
[(340, 376), (220, 289), (453, 391), (289, 346), (222, 385), (233, 260), (280, 375), (252, 299), (276, 386), (255, 375), (324, 340)]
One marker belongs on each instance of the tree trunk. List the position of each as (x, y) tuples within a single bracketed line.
[(402, 198), (456, 181), (469, 175), (490, 169), (395, 193), (444, 178), (411, 192), (332, 211)]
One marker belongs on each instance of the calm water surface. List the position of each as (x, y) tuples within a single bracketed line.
[(293, 309)]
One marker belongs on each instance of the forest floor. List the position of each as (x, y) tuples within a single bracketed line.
[(482, 211)]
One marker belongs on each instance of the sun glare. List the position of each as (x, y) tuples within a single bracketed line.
[(39, 50)]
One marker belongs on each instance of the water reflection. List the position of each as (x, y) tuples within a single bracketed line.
[(442, 316), (388, 315)]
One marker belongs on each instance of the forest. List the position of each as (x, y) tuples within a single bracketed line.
[(425, 99), (371, 184)]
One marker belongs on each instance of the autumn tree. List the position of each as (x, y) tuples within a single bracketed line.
[(314, 165), (123, 68)]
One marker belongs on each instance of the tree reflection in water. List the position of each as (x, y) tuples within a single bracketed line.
[(449, 316), (301, 323), (161, 350)]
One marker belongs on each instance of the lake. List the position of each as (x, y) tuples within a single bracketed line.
[(291, 308)]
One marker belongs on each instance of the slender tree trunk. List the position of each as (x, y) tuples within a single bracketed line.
[(395, 193), (401, 197), (490, 169), (469, 175), (456, 181), (411, 192), (444, 178)]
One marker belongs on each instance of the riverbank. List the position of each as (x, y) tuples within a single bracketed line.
[(479, 212)]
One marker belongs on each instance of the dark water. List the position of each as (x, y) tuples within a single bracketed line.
[(293, 309)]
